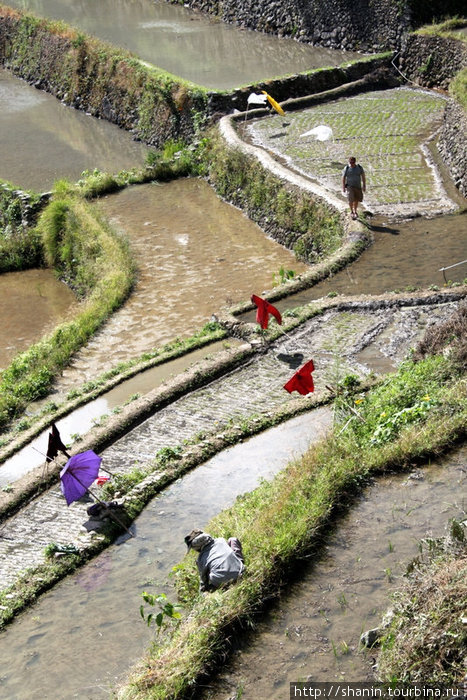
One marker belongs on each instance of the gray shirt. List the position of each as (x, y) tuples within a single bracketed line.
[(218, 564), (353, 176)]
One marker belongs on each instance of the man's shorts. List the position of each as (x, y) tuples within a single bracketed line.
[(355, 194)]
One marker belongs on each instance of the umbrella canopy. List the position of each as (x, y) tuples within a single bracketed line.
[(78, 474)]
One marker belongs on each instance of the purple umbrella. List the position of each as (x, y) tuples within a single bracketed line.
[(79, 473)]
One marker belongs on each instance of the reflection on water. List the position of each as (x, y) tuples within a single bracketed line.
[(42, 140), (404, 255), (32, 302), (313, 632), (83, 636), (194, 254), (188, 44)]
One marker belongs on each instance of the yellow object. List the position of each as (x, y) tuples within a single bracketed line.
[(274, 104)]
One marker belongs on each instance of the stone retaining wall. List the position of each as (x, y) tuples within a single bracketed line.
[(363, 25), (97, 78), (433, 61), (452, 144)]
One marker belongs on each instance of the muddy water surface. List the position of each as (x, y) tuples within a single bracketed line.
[(186, 43), (42, 140), (404, 255), (194, 254), (83, 635), (313, 632), (32, 303)]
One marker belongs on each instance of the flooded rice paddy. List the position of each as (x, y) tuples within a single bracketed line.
[(32, 303), (313, 631), (83, 635), (43, 140), (405, 255), (83, 419), (188, 44), (389, 131), (195, 254)]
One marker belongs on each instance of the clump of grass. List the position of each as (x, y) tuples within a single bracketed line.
[(426, 639), (20, 246), (458, 87)]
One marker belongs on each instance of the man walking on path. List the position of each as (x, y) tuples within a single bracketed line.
[(354, 182)]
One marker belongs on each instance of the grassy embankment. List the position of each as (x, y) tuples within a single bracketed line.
[(426, 638), (101, 79), (450, 30), (97, 265), (20, 245), (87, 255), (411, 416)]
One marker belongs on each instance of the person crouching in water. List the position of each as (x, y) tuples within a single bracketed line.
[(220, 562)]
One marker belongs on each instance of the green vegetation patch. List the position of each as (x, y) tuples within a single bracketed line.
[(296, 219), (458, 88), (384, 130), (283, 519), (97, 264), (20, 246), (426, 639)]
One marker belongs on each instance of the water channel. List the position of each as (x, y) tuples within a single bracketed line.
[(186, 43), (87, 630)]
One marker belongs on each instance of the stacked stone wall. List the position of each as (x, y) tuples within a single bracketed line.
[(452, 144), (366, 25), (432, 62), (97, 78)]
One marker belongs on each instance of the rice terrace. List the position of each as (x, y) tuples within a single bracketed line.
[(233, 393)]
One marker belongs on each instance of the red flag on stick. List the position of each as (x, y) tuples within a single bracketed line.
[(302, 381), (263, 311)]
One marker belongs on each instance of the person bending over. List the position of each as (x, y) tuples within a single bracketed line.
[(220, 561)]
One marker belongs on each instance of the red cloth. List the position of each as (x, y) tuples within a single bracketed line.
[(263, 311), (302, 381)]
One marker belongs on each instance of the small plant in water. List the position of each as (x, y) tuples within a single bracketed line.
[(342, 600), (168, 612), (345, 649), (282, 276)]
